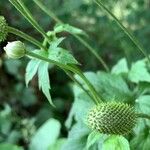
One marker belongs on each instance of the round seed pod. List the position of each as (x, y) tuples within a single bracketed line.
[(3, 29), (112, 118), (15, 49)]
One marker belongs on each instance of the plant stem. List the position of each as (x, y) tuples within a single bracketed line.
[(19, 5), (143, 116), (81, 40), (72, 69), (25, 36), (93, 51), (78, 83), (48, 11), (125, 30)]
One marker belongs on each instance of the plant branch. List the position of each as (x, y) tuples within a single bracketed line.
[(81, 40), (94, 93), (125, 30)]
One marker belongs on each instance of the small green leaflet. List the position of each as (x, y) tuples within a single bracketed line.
[(59, 54), (43, 78), (116, 142), (68, 28), (31, 70), (41, 67), (62, 56)]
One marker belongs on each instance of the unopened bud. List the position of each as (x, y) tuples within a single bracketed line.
[(15, 49)]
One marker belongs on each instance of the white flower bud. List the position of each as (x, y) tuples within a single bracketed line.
[(15, 49)]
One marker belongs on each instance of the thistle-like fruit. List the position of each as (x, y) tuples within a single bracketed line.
[(3, 29), (15, 49), (112, 118)]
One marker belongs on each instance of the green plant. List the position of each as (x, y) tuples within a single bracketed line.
[(90, 89)]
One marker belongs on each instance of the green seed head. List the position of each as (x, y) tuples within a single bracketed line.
[(3, 29), (112, 118), (15, 49)]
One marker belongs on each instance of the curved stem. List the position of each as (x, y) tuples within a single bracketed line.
[(72, 69), (19, 5), (125, 30), (143, 116), (25, 36), (81, 40)]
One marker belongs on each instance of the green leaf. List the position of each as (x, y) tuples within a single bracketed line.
[(139, 72), (62, 56), (58, 145), (7, 146), (77, 138), (141, 141), (113, 87), (120, 67), (56, 42), (143, 104), (46, 135), (31, 70), (43, 78), (92, 139), (68, 28), (115, 142)]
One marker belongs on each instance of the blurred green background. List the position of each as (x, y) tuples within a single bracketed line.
[(23, 110)]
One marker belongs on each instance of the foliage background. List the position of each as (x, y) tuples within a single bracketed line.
[(24, 110)]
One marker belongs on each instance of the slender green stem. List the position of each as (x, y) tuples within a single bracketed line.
[(19, 5), (93, 51), (125, 30), (25, 36), (78, 83), (72, 69), (143, 116), (48, 11), (81, 40)]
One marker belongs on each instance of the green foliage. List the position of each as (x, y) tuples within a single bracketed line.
[(24, 113), (139, 72), (6, 146), (46, 135), (68, 28), (116, 143), (93, 138)]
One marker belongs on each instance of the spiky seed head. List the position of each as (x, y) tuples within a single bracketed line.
[(3, 29), (15, 49), (112, 118)]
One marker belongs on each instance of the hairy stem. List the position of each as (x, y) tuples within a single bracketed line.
[(81, 40), (125, 30)]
